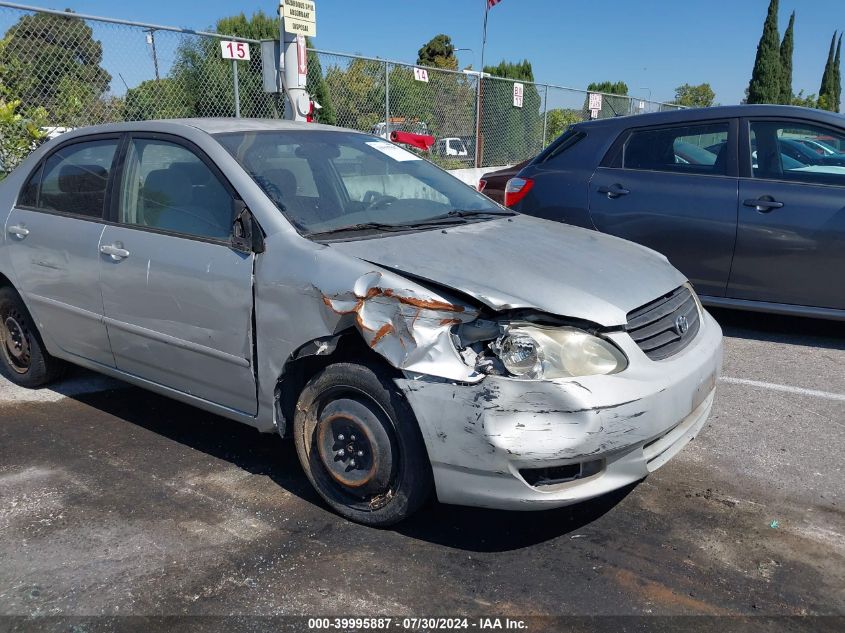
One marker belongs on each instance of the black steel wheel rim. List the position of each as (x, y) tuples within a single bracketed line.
[(17, 349), (354, 448)]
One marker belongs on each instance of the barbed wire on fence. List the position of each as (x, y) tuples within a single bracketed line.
[(61, 70)]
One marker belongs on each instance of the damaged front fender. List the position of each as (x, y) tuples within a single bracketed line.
[(408, 326)]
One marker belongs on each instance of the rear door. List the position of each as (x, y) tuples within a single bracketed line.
[(791, 236), (52, 236), (673, 188), (177, 297)]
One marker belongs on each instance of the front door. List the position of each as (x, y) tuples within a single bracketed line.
[(791, 235), (52, 236), (673, 189), (177, 297)]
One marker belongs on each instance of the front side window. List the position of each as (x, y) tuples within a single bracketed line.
[(168, 187), (687, 149), (327, 181), (797, 152), (74, 179)]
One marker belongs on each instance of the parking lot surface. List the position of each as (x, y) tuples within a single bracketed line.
[(116, 501)]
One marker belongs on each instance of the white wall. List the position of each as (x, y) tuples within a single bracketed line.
[(470, 176)]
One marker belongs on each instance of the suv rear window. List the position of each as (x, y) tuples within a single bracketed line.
[(566, 141)]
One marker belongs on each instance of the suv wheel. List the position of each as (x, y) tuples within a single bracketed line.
[(359, 443)]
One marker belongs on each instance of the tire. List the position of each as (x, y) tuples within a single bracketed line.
[(359, 444), (23, 359)]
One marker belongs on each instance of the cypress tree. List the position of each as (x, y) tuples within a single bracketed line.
[(837, 77), (828, 88), (766, 77), (786, 48)]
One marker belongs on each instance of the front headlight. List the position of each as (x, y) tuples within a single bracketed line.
[(532, 352)]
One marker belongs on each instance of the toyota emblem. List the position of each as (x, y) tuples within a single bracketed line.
[(681, 325)]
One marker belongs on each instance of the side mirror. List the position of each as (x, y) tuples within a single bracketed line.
[(247, 236)]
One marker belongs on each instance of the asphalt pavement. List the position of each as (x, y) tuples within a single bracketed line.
[(118, 502)]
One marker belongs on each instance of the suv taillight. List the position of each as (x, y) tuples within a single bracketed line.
[(516, 189), (481, 184)]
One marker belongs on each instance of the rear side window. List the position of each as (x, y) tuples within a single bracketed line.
[(75, 177), (693, 149), (566, 141)]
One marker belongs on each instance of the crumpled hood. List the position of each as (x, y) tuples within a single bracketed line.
[(530, 263)]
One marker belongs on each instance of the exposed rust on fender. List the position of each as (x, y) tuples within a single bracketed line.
[(409, 327), (383, 331)]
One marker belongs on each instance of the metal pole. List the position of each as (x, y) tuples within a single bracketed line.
[(545, 115), (387, 99), (152, 35), (237, 94), (478, 121)]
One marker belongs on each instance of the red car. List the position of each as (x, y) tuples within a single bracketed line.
[(492, 184)]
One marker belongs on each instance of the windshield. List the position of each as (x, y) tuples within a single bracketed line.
[(328, 180)]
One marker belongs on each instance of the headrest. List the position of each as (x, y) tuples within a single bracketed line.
[(167, 188), (284, 180)]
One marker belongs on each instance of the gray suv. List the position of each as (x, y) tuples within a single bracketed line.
[(408, 334)]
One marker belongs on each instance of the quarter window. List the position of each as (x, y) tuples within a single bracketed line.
[(797, 152), (166, 186), (74, 179), (689, 149)]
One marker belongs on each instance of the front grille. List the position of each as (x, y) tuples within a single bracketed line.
[(657, 327)]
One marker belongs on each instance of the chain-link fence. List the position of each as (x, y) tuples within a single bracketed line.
[(61, 70)]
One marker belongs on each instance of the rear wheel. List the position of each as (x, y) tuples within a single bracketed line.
[(25, 362), (360, 445)]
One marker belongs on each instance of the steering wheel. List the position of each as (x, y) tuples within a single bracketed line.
[(374, 199)]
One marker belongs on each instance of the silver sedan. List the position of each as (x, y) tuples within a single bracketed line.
[(409, 334)]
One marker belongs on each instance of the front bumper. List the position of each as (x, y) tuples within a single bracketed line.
[(488, 440)]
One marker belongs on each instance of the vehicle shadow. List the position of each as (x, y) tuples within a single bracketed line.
[(780, 328), (470, 529)]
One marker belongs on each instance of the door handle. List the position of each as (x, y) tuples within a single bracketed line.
[(763, 204), (614, 191), (18, 231), (115, 251)]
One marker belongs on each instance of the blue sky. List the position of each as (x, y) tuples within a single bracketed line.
[(652, 45)]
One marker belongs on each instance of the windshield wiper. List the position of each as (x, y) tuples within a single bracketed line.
[(458, 216), (363, 226)]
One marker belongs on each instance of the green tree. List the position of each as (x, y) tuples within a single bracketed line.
[(700, 96), (558, 120), (766, 78), (19, 133), (358, 93), (438, 52), (53, 61), (810, 101), (827, 91), (318, 88), (157, 99), (786, 48), (509, 133)]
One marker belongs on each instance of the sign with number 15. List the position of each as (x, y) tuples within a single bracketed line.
[(235, 50)]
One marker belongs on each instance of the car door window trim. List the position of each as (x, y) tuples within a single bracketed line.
[(64, 145), (746, 169), (114, 206), (613, 158)]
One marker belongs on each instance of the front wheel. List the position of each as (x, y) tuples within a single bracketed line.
[(23, 359), (360, 446)]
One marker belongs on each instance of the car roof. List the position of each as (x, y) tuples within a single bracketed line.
[(716, 112), (210, 125)]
